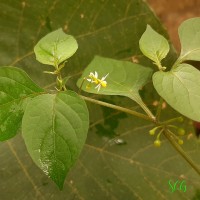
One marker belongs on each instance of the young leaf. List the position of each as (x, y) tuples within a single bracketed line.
[(153, 45), (54, 128), (180, 87), (15, 89), (189, 33), (55, 48), (123, 78)]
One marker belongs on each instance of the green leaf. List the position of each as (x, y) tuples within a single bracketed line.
[(55, 48), (153, 45), (15, 89), (189, 33), (180, 87), (54, 128), (123, 78)]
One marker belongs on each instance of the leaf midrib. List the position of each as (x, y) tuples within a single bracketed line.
[(182, 58)]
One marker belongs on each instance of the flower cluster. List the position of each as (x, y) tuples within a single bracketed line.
[(157, 142)]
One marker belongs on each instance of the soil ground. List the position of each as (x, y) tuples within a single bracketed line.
[(173, 12)]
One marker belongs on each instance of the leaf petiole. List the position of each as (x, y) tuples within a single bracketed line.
[(126, 110), (176, 119), (158, 112)]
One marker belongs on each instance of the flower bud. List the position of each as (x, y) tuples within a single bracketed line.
[(180, 142), (157, 143), (181, 131), (152, 132)]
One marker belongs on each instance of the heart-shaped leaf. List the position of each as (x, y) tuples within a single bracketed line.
[(153, 45), (54, 128), (189, 33), (180, 87), (122, 78), (55, 48), (15, 89)]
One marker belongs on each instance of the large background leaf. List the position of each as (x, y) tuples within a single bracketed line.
[(135, 170)]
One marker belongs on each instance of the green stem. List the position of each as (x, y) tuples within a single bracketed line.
[(159, 65), (177, 119), (59, 82), (146, 109), (158, 112), (178, 148), (79, 91), (131, 112)]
